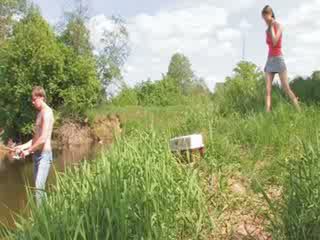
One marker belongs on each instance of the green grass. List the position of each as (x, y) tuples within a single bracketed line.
[(296, 216), (138, 190)]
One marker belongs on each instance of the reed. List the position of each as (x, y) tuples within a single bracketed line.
[(137, 190)]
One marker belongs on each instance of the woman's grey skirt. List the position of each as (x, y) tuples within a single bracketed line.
[(275, 65)]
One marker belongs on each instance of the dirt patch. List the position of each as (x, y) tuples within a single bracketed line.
[(72, 133), (238, 185), (250, 228), (105, 129), (5, 154), (237, 212), (102, 130)]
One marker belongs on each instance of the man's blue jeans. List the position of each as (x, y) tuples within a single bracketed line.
[(42, 165)]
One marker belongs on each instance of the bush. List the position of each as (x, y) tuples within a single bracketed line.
[(244, 92), (81, 88), (127, 97), (165, 92), (160, 93), (308, 90)]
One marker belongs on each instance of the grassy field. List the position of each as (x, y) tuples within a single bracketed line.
[(260, 178)]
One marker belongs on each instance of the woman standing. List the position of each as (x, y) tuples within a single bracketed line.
[(275, 63)]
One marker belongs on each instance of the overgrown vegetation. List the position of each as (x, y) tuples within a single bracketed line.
[(308, 89), (179, 86), (138, 189), (259, 177), (296, 216), (63, 62), (134, 197)]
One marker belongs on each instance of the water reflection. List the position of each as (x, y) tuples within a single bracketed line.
[(15, 176)]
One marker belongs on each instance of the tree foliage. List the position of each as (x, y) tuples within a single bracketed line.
[(8, 9), (247, 71), (75, 33), (34, 56), (178, 86), (243, 92), (180, 70), (307, 89), (160, 93), (114, 53)]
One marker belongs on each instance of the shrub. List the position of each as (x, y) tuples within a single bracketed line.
[(244, 92), (308, 90), (127, 97)]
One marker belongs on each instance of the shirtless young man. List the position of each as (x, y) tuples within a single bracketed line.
[(40, 145)]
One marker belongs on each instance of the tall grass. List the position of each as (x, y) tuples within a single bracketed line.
[(135, 191), (297, 214)]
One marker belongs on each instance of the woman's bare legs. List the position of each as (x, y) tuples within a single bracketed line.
[(269, 80), (286, 87)]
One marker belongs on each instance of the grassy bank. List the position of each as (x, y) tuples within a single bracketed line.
[(247, 184), (136, 190)]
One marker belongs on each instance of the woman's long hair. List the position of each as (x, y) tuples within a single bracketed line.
[(268, 10)]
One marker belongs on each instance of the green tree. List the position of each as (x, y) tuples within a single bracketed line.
[(114, 54), (307, 89), (81, 88), (33, 56), (127, 97), (247, 71), (159, 93), (180, 70), (243, 92), (315, 76), (76, 35), (9, 8)]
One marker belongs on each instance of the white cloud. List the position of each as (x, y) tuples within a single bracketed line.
[(190, 22), (200, 32), (231, 5), (305, 16), (309, 37), (303, 23), (228, 34), (209, 33), (97, 25), (245, 25)]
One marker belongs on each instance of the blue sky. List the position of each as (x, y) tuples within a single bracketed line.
[(209, 32)]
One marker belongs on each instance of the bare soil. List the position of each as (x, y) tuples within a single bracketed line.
[(102, 130), (237, 212)]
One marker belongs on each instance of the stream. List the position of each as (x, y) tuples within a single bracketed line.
[(16, 176)]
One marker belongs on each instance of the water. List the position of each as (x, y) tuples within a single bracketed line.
[(16, 176)]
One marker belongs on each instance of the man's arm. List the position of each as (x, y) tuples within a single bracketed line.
[(23, 146)]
